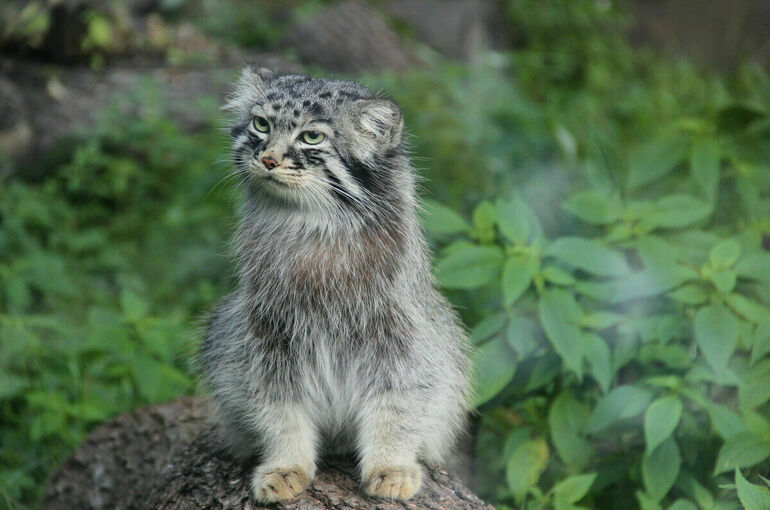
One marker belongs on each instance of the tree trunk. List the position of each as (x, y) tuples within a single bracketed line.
[(163, 457)]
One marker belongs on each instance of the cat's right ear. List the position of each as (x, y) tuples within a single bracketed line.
[(249, 89)]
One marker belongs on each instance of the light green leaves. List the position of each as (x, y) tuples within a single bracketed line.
[(470, 267), (620, 403), (716, 333), (488, 327), (660, 421), (441, 220), (741, 450), (566, 420), (704, 165), (588, 255), (599, 359), (675, 211), (661, 468), (560, 315), (525, 466), (654, 159), (594, 207), (495, 365), (754, 266), (513, 220), (752, 497), (517, 276), (572, 489), (725, 253)]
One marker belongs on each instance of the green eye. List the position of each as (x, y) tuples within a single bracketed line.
[(261, 124), (312, 137)]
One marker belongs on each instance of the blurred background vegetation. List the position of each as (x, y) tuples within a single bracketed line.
[(597, 194)]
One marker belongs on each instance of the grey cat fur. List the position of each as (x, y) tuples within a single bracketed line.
[(335, 338)]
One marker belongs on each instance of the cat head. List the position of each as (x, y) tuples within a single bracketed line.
[(317, 144)]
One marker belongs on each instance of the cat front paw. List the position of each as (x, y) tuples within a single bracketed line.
[(271, 484), (391, 482)]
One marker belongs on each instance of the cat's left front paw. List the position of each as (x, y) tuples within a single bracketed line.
[(392, 482)]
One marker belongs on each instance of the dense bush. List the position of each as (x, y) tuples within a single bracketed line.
[(104, 267)]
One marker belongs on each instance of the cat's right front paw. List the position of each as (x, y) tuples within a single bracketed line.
[(271, 484)]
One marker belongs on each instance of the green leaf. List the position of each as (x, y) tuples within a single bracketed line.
[(525, 466), (693, 488), (488, 327), (761, 342), (726, 423), (724, 281), (588, 255), (647, 502), (157, 381), (661, 468), (495, 365), (716, 333), (741, 450), (689, 294), (132, 305), (620, 403), (754, 387), (725, 253), (752, 497), (470, 267), (660, 421), (559, 316), (557, 275), (517, 276), (601, 320), (676, 211), (521, 336), (484, 219), (599, 359), (593, 207), (751, 310), (574, 488), (683, 504), (566, 420), (654, 159), (513, 218), (704, 165), (441, 220), (754, 266)]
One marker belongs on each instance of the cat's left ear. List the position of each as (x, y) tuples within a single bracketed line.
[(381, 121)]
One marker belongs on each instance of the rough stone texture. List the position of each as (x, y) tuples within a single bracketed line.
[(720, 33), (462, 29), (349, 37), (161, 457)]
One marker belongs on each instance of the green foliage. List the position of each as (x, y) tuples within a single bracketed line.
[(625, 351), (104, 266), (623, 322)]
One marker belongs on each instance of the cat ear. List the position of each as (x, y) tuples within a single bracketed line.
[(249, 89), (381, 121), (257, 75)]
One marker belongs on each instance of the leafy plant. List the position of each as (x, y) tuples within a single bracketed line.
[(629, 353)]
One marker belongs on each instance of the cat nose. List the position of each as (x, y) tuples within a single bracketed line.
[(269, 162)]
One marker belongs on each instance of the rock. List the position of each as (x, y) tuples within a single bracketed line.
[(15, 131), (349, 37), (163, 457), (462, 29)]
